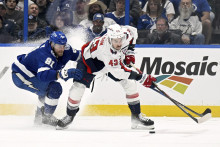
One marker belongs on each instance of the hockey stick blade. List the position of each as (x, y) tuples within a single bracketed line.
[(205, 118), (208, 110), (206, 115)]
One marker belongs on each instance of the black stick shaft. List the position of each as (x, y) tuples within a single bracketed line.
[(178, 104), (175, 101)]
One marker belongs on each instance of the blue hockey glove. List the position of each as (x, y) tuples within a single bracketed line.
[(65, 74)]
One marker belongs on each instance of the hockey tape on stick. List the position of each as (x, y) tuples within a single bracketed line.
[(140, 72)]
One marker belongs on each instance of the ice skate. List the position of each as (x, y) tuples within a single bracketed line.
[(49, 119), (140, 121), (64, 122), (38, 117)]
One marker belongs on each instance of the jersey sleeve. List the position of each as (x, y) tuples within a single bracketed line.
[(90, 56), (75, 54), (205, 7)]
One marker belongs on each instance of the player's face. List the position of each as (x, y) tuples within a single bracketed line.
[(59, 49), (117, 43)]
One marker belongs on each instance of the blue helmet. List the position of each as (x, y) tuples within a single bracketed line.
[(58, 38)]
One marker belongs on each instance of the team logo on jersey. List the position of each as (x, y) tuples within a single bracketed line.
[(113, 52), (177, 83), (62, 36), (194, 7)]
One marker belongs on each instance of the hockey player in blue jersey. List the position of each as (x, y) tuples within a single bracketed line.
[(39, 70)]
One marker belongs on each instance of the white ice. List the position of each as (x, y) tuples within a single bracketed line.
[(99, 131)]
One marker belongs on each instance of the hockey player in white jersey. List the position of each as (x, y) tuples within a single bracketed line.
[(110, 54)]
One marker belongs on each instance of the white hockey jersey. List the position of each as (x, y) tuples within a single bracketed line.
[(100, 58)]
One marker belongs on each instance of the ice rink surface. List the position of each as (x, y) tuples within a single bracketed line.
[(99, 131)]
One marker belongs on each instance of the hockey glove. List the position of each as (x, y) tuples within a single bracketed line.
[(65, 74), (129, 59), (147, 80)]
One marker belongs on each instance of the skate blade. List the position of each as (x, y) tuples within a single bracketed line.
[(142, 127), (61, 128)]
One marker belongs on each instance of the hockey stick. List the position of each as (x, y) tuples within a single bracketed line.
[(204, 116), (2, 73)]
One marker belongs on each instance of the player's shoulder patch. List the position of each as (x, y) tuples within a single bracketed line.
[(67, 47), (74, 50)]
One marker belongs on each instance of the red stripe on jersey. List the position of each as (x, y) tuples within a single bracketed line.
[(131, 42), (73, 101), (84, 61), (133, 96), (94, 46), (123, 67)]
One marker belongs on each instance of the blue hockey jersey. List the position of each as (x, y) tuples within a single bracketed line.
[(42, 63), (119, 20), (146, 22)]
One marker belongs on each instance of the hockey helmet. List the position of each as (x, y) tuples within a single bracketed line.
[(115, 31), (58, 38)]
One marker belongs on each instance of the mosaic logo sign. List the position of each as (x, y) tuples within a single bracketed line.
[(179, 84), (169, 72), (159, 67)]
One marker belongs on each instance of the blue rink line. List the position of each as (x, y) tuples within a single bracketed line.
[(136, 46), (18, 45)]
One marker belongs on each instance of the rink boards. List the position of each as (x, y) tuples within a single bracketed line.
[(189, 75)]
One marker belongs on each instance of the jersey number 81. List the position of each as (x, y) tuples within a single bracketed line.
[(49, 62)]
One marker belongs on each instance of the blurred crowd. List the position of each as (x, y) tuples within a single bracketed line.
[(157, 21)]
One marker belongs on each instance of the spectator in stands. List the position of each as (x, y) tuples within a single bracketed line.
[(93, 7), (168, 9), (12, 14), (5, 37), (62, 21), (190, 25), (162, 35), (57, 23), (58, 6), (107, 3), (203, 9), (34, 11), (135, 9), (43, 6), (9, 26), (147, 21), (97, 29), (79, 14), (34, 33), (20, 5), (119, 14)]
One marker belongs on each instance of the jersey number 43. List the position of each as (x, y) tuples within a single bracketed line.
[(113, 62)]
